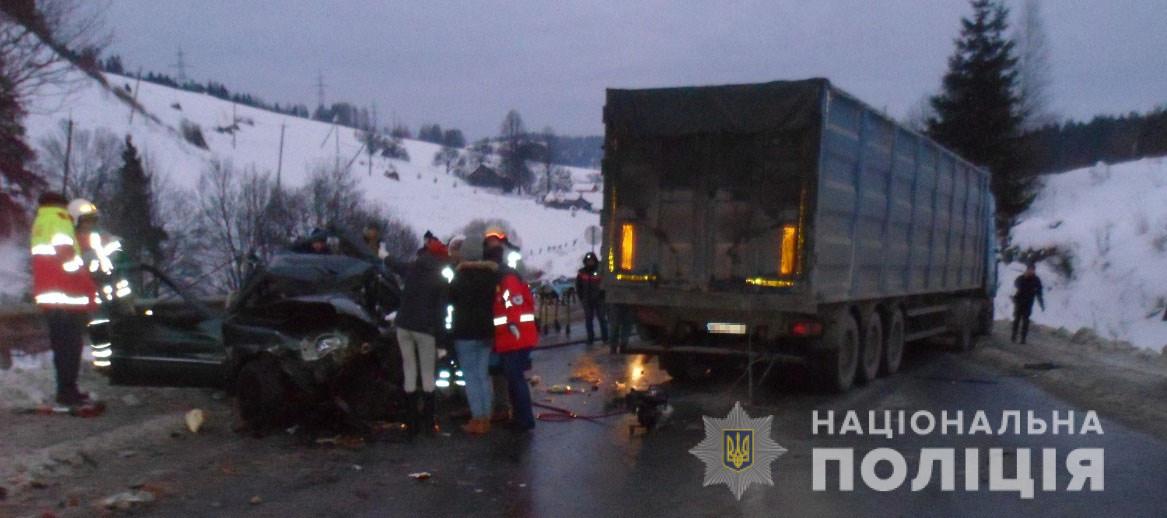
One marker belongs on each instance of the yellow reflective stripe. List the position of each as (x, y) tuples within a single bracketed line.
[(500, 321), (527, 317), (44, 250), (56, 297)]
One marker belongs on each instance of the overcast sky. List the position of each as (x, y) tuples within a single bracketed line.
[(464, 64)]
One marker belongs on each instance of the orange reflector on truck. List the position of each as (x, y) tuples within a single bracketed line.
[(627, 246), (788, 250)]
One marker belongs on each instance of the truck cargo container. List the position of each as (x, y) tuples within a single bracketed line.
[(789, 221)]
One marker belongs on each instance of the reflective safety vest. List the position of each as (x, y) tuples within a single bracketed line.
[(59, 277), (514, 315), (97, 250)]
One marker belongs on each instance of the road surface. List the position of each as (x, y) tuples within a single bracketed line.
[(582, 467)]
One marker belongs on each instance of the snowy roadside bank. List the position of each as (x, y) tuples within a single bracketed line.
[(1114, 378)]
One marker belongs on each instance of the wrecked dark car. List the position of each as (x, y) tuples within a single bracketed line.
[(308, 338)]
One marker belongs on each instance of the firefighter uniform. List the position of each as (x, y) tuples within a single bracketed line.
[(64, 291)]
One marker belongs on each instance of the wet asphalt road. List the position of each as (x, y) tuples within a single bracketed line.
[(586, 468)]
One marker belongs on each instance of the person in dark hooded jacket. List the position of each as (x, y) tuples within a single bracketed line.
[(591, 297), (1029, 288), (419, 322)]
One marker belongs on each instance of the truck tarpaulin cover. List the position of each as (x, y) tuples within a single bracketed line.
[(738, 109)]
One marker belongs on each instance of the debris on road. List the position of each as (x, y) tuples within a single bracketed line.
[(421, 475), (256, 500), (128, 499), (560, 389), (131, 400), (195, 419)]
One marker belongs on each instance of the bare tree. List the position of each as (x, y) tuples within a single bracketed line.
[(39, 37), (447, 156), (94, 160), (1033, 67)]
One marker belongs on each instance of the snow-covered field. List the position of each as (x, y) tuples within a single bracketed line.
[(1112, 219), (425, 197)]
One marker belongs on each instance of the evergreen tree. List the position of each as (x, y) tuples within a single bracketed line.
[(134, 217), (977, 113), (18, 185)]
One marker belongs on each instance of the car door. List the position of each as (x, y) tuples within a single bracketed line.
[(168, 337)]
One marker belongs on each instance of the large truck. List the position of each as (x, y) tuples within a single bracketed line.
[(789, 221)]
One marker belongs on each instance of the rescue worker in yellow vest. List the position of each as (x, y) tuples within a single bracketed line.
[(63, 290), (97, 251)]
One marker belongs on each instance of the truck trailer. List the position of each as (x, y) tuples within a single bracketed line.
[(789, 222)]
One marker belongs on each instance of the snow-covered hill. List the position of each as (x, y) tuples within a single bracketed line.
[(425, 197), (1111, 222)]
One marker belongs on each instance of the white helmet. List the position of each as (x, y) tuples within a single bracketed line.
[(81, 207)]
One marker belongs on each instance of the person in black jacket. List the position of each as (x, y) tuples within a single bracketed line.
[(591, 297), (419, 322), (1029, 289), (471, 323)]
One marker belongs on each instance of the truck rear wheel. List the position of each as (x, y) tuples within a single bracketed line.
[(872, 347), (838, 363), (893, 343), (963, 322)]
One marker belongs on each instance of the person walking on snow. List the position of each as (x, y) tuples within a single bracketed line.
[(591, 297), (419, 321), (63, 290), (515, 333), (1029, 288)]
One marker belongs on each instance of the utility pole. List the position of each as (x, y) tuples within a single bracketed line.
[(68, 153), (181, 66), (280, 163), (320, 89), (336, 141), (235, 124), (134, 105)]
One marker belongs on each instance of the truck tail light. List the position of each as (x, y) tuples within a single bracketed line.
[(787, 250), (627, 246), (806, 328)]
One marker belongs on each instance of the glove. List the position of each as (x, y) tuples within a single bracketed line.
[(514, 330)]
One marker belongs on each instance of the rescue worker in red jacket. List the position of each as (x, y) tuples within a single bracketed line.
[(515, 332), (64, 291)]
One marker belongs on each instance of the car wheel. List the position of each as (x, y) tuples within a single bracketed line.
[(262, 396)]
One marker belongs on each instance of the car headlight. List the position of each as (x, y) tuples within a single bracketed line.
[(322, 345)]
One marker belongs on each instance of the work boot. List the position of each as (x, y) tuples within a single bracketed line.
[(429, 421), (412, 419)]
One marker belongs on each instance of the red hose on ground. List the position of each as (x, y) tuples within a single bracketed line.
[(560, 414)]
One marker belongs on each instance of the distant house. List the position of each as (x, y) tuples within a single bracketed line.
[(561, 201), (484, 176)]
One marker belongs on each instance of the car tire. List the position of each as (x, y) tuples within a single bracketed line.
[(263, 396)]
